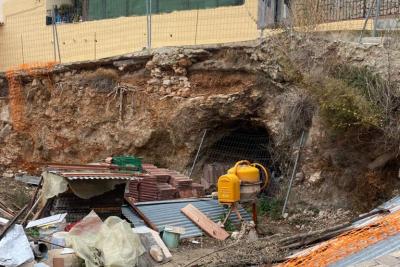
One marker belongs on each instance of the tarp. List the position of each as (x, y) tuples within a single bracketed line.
[(15, 248), (54, 184), (110, 243)]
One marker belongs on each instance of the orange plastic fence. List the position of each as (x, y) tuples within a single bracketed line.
[(16, 95), (349, 242)]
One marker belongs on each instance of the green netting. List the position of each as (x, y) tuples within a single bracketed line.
[(103, 9)]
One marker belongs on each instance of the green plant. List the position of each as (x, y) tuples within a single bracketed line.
[(270, 207), (343, 106), (33, 232), (228, 226)]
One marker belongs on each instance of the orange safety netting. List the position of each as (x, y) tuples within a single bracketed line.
[(17, 98), (350, 242)]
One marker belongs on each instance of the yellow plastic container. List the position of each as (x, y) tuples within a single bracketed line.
[(246, 173), (228, 188)]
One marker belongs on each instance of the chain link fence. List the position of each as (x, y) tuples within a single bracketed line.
[(79, 30), (43, 31)]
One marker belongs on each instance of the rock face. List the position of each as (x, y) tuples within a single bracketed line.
[(158, 106)]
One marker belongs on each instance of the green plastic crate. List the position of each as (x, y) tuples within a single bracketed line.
[(128, 161)]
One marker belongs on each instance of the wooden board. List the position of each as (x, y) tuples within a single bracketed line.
[(202, 221)]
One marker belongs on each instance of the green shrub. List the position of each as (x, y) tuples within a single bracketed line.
[(343, 106), (270, 207)]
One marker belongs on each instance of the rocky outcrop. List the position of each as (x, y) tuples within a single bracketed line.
[(157, 106)]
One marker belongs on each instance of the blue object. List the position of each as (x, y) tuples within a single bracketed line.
[(170, 238)]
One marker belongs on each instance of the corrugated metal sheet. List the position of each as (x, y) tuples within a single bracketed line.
[(169, 212), (374, 251), (379, 249)]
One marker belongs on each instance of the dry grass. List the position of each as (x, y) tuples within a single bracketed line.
[(102, 80)]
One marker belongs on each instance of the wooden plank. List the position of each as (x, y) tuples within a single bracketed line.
[(12, 222), (141, 215), (202, 221)]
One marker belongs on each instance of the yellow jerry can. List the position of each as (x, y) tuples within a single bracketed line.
[(246, 172), (228, 188)]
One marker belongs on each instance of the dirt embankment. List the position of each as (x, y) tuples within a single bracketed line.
[(158, 106)]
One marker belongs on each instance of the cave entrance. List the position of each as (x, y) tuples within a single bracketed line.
[(230, 142)]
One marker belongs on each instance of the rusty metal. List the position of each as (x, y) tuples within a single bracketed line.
[(350, 242)]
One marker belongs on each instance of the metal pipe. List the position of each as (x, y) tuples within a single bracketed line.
[(197, 154), (54, 33), (149, 26), (366, 21), (377, 14), (293, 172)]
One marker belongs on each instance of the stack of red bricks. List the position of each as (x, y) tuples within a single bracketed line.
[(163, 184)]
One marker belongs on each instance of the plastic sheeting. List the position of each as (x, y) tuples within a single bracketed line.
[(110, 243), (54, 185), (15, 248)]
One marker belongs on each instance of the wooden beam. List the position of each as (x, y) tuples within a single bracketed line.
[(141, 215), (12, 222), (202, 221)]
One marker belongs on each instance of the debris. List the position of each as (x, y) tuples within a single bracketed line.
[(149, 237), (28, 179), (15, 248), (235, 235), (195, 242), (204, 222), (39, 249), (58, 262), (12, 222), (67, 251), (156, 253), (69, 260), (99, 243), (55, 219)]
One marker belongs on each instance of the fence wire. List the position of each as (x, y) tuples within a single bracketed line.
[(34, 31), (70, 31)]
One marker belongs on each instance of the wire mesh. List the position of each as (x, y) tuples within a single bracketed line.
[(79, 30)]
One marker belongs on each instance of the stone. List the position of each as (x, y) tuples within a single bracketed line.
[(184, 62), (235, 235), (156, 253), (166, 82), (150, 65), (35, 83), (322, 213), (8, 174), (67, 74), (5, 131), (154, 81), (185, 92), (315, 177)]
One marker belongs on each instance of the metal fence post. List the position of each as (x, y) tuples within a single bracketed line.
[(377, 14), (149, 27)]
